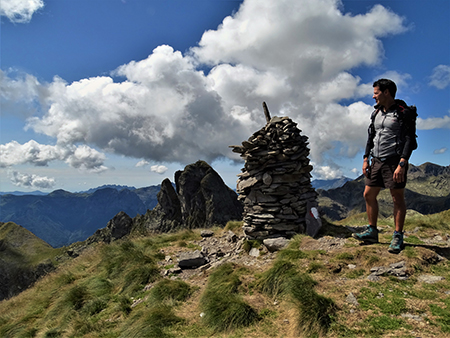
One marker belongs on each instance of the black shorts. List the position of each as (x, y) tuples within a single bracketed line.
[(382, 173)]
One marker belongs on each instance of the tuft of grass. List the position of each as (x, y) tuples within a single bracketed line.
[(251, 243), (314, 311), (315, 267), (288, 254), (223, 306), (356, 273), (345, 256), (233, 225), (170, 290), (413, 240), (152, 322), (275, 281)]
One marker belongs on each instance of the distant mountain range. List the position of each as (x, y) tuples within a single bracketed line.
[(90, 191), (427, 191), (330, 184), (62, 217)]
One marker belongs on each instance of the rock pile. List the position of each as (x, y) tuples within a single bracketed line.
[(275, 183)]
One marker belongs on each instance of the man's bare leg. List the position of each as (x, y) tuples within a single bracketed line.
[(370, 196), (398, 197)]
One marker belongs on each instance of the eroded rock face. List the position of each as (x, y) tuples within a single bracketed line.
[(201, 200), (204, 198), (275, 184), (166, 216)]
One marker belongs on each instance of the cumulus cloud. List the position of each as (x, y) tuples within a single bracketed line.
[(440, 78), (34, 153), (295, 55), (327, 172), (160, 169), (31, 181), (433, 123), (20, 11), (142, 163)]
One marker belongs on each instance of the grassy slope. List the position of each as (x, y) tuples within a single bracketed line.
[(93, 295), (19, 244)]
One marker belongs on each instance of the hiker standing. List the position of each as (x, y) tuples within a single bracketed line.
[(389, 145)]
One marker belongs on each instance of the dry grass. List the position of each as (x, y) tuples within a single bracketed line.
[(65, 303)]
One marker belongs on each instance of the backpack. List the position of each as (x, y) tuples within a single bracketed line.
[(407, 116)]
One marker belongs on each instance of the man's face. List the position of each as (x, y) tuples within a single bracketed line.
[(379, 96)]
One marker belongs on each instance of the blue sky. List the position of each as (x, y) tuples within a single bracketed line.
[(127, 92)]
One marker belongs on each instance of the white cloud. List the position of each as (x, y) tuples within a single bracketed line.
[(160, 169), (327, 173), (440, 78), (142, 163), (20, 11), (433, 123), (31, 152), (440, 151), (295, 55), (31, 181)]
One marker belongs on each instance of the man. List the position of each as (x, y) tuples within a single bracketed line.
[(390, 144)]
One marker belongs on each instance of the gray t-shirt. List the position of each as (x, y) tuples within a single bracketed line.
[(387, 132)]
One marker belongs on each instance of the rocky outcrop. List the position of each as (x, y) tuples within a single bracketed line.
[(118, 227), (166, 216), (275, 184), (205, 199), (201, 200)]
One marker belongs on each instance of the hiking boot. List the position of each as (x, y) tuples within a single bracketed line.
[(369, 236), (396, 243)]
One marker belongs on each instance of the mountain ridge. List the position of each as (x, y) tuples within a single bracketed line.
[(427, 191)]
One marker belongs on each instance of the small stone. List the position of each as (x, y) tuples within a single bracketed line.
[(275, 244), (207, 233), (430, 279), (352, 299), (254, 252)]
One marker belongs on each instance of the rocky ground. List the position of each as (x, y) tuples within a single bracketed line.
[(343, 269)]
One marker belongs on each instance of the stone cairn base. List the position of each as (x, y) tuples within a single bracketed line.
[(275, 185)]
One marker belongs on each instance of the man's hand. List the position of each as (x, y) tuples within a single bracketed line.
[(399, 173), (366, 168)]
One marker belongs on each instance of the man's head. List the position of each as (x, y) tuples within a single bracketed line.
[(384, 84), (384, 91)]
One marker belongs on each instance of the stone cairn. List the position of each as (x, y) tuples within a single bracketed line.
[(275, 185)]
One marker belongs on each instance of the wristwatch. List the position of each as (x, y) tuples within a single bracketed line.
[(401, 164)]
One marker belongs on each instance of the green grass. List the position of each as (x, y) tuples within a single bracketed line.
[(314, 311), (223, 307), (101, 293)]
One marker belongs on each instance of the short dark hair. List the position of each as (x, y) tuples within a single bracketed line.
[(384, 84)]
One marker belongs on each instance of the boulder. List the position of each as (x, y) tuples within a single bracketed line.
[(191, 260), (275, 244)]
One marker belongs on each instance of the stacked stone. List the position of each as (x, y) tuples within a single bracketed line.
[(275, 183)]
